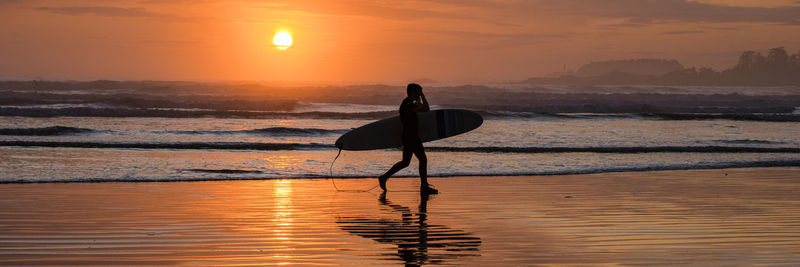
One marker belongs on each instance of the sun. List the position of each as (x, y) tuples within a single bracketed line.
[(282, 40)]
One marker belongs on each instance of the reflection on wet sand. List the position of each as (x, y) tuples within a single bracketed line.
[(697, 218), (418, 242)]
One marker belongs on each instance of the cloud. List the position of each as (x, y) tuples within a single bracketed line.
[(656, 11), (379, 9), (496, 12), (10, 2), (523, 14), (686, 11), (99, 10), (109, 11), (629, 23), (487, 39), (411, 10), (683, 32)]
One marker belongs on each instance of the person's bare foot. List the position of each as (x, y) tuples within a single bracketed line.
[(382, 181), (428, 189)]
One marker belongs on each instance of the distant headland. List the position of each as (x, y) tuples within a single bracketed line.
[(777, 68)]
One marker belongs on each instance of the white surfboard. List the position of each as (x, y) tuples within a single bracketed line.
[(433, 125)]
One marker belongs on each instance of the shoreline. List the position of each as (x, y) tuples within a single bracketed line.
[(790, 164)]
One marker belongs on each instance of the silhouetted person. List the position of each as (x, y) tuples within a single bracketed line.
[(412, 144)]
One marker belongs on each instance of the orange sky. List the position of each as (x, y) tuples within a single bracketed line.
[(376, 41)]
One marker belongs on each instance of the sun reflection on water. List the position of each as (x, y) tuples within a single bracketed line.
[(283, 210)]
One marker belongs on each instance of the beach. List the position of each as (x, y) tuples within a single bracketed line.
[(262, 133), (746, 216)]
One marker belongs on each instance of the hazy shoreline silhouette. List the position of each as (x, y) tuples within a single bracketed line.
[(777, 68)]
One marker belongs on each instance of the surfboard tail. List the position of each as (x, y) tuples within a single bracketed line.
[(338, 143)]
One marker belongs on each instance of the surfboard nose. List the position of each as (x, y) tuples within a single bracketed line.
[(476, 118)]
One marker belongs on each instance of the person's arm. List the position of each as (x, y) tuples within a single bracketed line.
[(424, 106)]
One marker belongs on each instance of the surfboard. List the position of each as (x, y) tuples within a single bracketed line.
[(433, 125)]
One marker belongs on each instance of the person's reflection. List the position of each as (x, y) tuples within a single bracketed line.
[(413, 235)]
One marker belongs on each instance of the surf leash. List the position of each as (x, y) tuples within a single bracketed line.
[(330, 176)]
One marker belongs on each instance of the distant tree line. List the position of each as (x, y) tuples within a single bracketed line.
[(753, 68), (777, 68), (631, 66)]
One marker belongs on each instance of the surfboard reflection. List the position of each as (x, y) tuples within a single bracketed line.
[(418, 242)]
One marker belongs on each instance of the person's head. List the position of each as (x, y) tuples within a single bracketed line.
[(413, 90)]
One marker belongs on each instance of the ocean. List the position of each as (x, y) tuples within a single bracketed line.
[(87, 132)]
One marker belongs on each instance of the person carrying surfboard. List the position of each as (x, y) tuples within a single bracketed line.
[(412, 144)]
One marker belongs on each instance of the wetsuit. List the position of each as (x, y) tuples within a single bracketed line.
[(410, 136)]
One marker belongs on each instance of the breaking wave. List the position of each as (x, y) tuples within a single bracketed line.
[(748, 141), (183, 113), (487, 149), (46, 131), (281, 131), (491, 114), (776, 117), (654, 149), (258, 175), (225, 171), (187, 145), (271, 131)]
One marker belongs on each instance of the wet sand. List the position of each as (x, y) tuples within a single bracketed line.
[(700, 217)]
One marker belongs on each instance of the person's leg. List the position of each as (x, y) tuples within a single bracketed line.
[(419, 152), (424, 187), (407, 151)]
